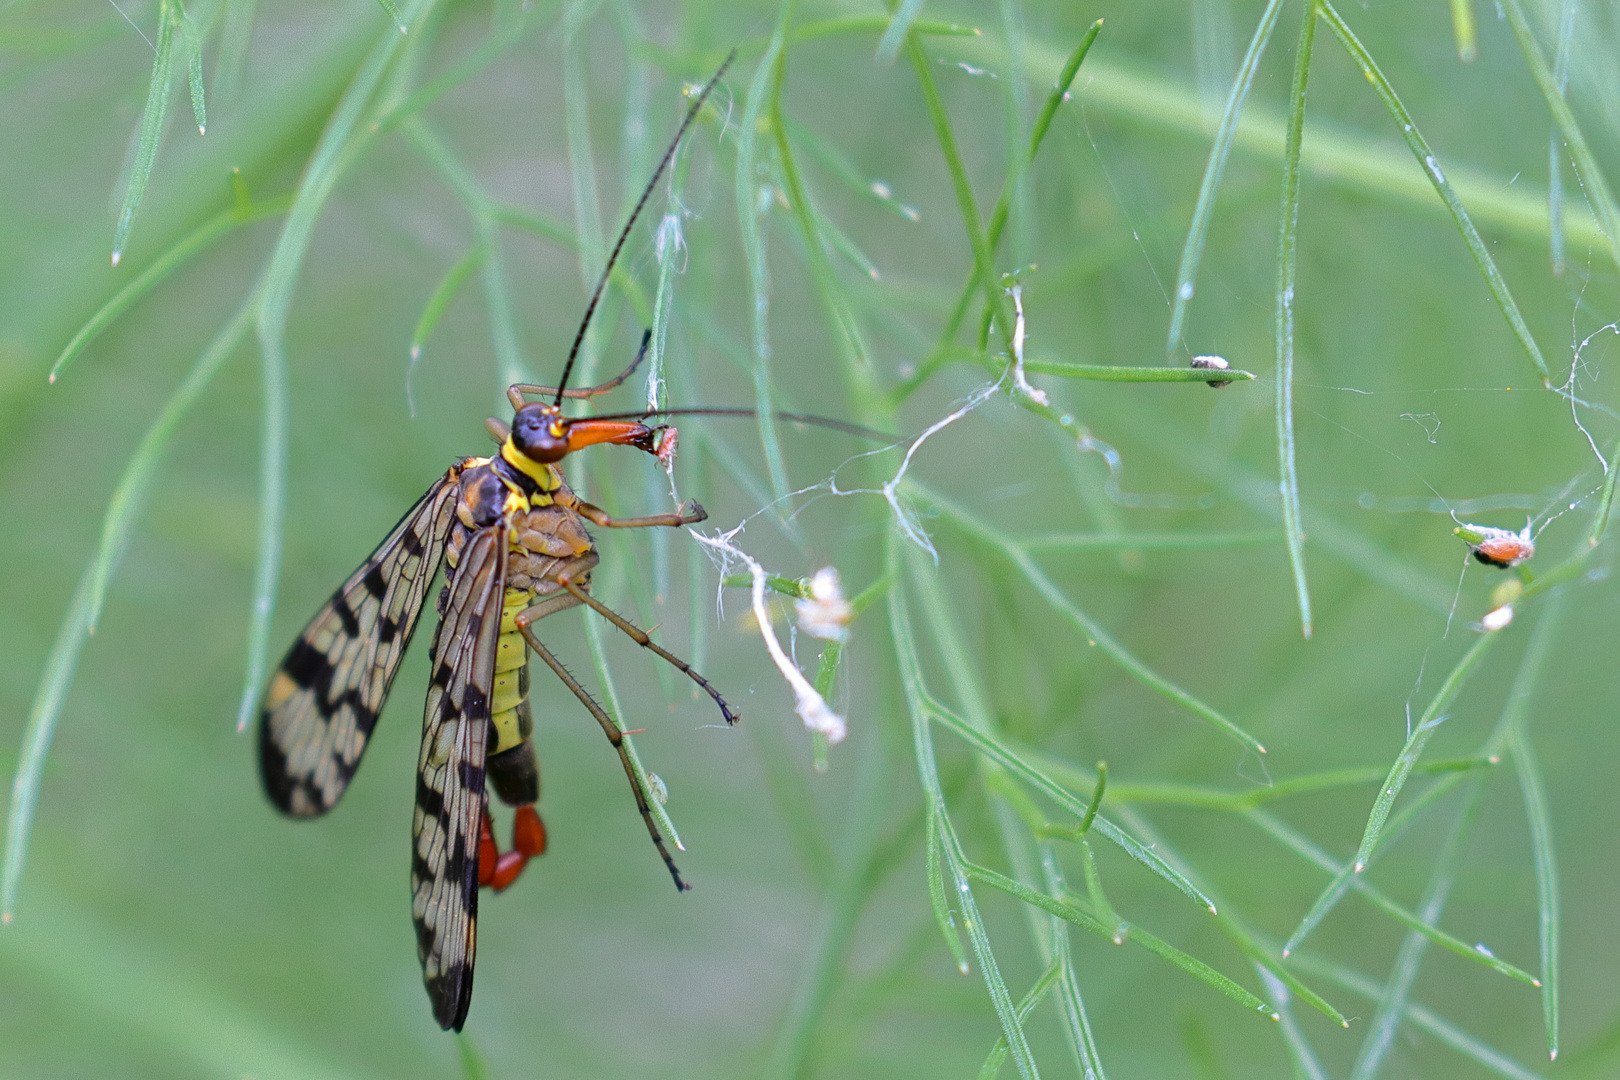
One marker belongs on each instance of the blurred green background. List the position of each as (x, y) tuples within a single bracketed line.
[(169, 923)]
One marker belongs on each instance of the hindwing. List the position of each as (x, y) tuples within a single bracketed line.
[(323, 702), (450, 774)]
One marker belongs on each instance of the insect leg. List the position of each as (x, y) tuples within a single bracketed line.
[(615, 736), (517, 391), (639, 636), (690, 514)]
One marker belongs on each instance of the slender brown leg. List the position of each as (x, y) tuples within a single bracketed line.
[(614, 735), (639, 636), (690, 514), (516, 391)]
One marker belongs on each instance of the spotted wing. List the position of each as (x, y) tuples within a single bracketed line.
[(450, 775), (322, 703)]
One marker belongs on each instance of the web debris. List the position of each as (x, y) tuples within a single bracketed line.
[(810, 705), (912, 530), (1019, 380), (1429, 422), (1577, 365)]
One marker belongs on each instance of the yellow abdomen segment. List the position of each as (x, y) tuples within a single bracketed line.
[(511, 664)]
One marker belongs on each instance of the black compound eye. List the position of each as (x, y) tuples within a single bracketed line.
[(539, 434)]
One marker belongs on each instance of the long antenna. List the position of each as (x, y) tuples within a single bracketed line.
[(601, 284), (744, 411)]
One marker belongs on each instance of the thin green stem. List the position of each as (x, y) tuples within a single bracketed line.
[(1595, 184), (153, 116), (194, 243), (1287, 263), (280, 282), (1398, 987), (1107, 373), (966, 205), (998, 219), (1432, 718), (1424, 1018), (1192, 251), (118, 524), (1096, 635), (1431, 167)]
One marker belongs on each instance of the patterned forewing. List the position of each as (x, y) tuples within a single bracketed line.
[(450, 775), (323, 702)]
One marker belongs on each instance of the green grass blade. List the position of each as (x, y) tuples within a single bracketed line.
[(1012, 1028), (845, 331), (1096, 894), (869, 24), (933, 867), (491, 263), (1072, 913), (610, 702), (1263, 961), (393, 13), (1397, 989), (669, 244), (1538, 811), (152, 118), (123, 510), (1464, 30), (510, 21), (911, 682), (1306, 1065), (1424, 1018), (473, 1065), (859, 875), (234, 41), (199, 240), (998, 218), (1343, 877), (1026, 1005), (752, 211), (1221, 799), (1262, 953), (1043, 121), (1431, 166), (38, 730), (1593, 182), (961, 186), (1203, 210), (194, 69), (835, 161), (1218, 799), (1364, 165), (1114, 373), (1432, 718), (537, 223), (581, 162), (1047, 589), (1287, 263), (1077, 1024), (900, 24), (280, 281), (1343, 881), (938, 858), (1555, 145), (998, 752), (85, 961), (439, 302)]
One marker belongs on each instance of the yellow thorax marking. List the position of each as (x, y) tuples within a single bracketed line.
[(545, 475)]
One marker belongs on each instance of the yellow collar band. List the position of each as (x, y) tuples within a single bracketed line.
[(534, 470)]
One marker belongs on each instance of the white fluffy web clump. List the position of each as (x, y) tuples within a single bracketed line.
[(811, 707)]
